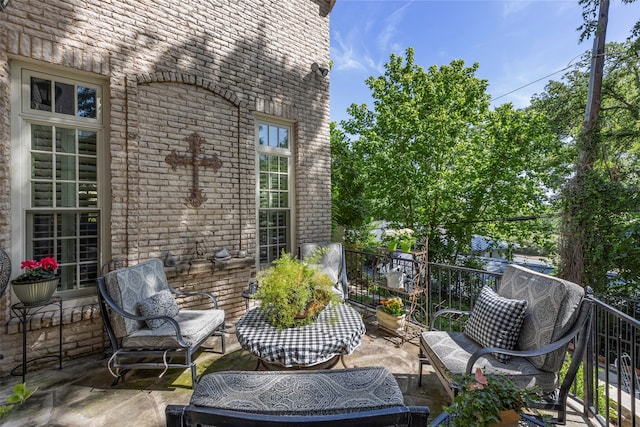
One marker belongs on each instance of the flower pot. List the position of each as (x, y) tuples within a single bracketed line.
[(35, 293), (395, 279), (389, 321), (508, 418)]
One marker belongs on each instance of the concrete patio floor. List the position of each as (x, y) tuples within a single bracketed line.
[(81, 393)]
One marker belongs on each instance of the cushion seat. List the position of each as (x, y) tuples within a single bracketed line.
[(195, 326), (450, 351), (299, 392), (354, 397)]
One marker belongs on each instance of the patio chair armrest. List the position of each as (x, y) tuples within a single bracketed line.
[(180, 293), (446, 311)]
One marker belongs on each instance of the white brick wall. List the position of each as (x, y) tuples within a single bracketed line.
[(171, 69)]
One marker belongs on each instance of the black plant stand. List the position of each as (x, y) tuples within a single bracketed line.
[(25, 312)]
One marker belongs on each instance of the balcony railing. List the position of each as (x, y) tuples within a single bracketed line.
[(607, 387)]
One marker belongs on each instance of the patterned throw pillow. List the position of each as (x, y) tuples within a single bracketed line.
[(160, 304), (496, 321)]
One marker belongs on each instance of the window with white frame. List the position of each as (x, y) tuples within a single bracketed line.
[(275, 190), (56, 187)]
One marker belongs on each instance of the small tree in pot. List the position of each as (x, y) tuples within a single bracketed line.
[(293, 292)]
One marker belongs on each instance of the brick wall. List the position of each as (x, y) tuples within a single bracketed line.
[(171, 69)]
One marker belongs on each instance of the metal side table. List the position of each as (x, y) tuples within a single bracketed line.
[(25, 312)]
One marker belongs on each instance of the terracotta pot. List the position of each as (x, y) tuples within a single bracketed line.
[(508, 418), (35, 293), (390, 321)]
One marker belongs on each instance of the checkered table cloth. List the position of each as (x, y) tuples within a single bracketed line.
[(328, 336)]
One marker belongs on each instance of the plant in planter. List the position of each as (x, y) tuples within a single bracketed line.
[(391, 313), (293, 292), (38, 282), (402, 239), (492, 400)]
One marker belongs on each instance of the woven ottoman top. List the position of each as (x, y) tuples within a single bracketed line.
[(318, 392)]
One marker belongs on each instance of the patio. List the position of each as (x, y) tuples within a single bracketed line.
[(81, 394)]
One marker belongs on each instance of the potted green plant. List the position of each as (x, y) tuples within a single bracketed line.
[(293, 292), (391, 313), (401, 239), (38, 281), (492, 400)]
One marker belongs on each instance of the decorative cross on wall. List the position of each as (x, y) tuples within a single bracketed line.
[(196, 198)]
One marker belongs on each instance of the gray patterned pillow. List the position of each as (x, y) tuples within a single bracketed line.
[(160, 304), (496, 321)]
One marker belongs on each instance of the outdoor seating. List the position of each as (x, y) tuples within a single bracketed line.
[(556, 313), (368, 396), (146, 328), (332, 263)]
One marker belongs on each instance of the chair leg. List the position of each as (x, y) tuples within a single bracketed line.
[(193, 375)]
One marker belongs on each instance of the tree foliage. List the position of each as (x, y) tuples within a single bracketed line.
[(434, 157), (610, 214)]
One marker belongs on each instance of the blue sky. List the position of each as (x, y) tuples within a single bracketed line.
[(515, 42)]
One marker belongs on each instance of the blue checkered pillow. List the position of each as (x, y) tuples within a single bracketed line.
[(496, 321)]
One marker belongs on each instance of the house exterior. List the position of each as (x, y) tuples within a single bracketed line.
[(139, 129)]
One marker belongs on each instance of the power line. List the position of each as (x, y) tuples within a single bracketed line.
[(569, 65), (535, 81)]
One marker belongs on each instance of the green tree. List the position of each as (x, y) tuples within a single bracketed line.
[(349, 207), (609, 197), (435, 158)]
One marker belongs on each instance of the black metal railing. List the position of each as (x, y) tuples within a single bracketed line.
[(607, 385)]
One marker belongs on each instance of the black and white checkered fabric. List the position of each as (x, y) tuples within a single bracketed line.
[(496, 321), (335, 332)]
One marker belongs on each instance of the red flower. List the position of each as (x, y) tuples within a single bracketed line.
[(37, 270), (29, 264), (49, 263)]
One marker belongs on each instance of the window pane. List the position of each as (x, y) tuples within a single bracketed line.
[(88, 170), (66, 195), (41, 166), (273, 136), (284, 165), (87, 142), (41, 194), (41, 138), (264, 199), (40, 94), (284, 200), (65, 140), (66, 225), (42, 248), (42, 226), (65, 98), (67, 277), (284, 182), (274, 182), (283, 142), (88, 275), (87, 195), (65, 167), (263, 138), (263, 237), (87, 102), (264, 162), (89, 224), (88, 249), (67, 250)]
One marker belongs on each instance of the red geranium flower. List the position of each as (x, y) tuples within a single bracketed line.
[(37, 270)]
